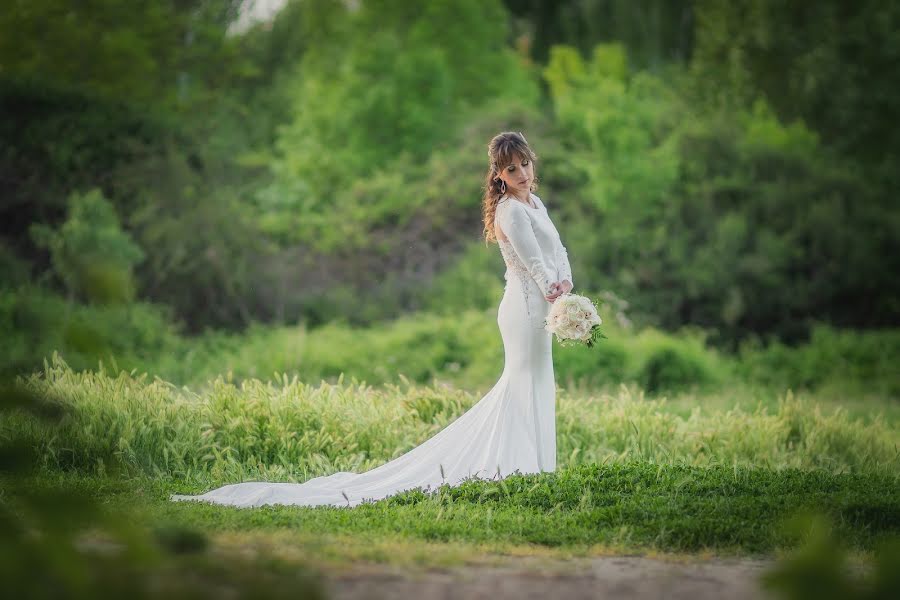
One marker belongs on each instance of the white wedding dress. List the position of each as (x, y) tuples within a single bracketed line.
[(512, 428)]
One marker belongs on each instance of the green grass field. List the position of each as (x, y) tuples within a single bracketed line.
[(635, 473), (665, 447), (637, 505)]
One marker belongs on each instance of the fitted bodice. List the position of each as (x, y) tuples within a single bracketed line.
[(533, 248), (514, 266)]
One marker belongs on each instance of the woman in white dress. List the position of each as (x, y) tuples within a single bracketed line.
[(513, 427)]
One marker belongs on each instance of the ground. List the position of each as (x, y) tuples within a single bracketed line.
[(357, 568), (598, 577)]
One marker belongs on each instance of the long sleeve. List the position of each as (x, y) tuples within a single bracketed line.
[(517, 227), (562, 260)]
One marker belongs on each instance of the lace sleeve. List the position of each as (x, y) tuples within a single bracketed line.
[(517, 227)]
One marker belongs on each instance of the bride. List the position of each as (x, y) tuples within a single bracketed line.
[(513, 427)]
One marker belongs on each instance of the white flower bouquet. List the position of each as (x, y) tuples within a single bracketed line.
[(574, 319)]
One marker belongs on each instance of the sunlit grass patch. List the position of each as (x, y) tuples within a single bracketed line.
[(290, 430), (635, 473)]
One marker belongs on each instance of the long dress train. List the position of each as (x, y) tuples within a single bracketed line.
[(512, 428)]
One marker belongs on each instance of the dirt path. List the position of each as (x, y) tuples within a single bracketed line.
[(600, 577)]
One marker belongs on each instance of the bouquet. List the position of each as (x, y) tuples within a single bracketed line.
[(573, 319)]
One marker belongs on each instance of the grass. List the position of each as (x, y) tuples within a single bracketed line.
[(634, 507), (641, 505), (289, 430), (636, 474)]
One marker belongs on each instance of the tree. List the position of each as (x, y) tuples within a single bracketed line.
[(90, 252)]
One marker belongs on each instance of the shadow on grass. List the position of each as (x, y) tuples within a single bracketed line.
[(61, 542)]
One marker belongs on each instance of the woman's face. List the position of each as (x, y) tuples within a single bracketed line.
[(518, 175)]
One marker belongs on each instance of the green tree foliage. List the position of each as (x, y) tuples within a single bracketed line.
[(90, 252), (731, 221), (654, 31), (169, 166), (144, 51), (830, 63), (64, 139), (618, 130), (383, 94), (328, 164), (771, 232)]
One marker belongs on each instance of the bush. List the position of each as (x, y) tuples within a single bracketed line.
[(668, 369), (841, 360), (604, 364), (90, 252), (34, 323)]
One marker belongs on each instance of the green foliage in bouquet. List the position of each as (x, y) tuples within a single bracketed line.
[(566, 323)]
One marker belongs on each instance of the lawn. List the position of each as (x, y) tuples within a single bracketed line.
[(635, 472)]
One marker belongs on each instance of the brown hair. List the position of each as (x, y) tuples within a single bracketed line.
[(503, 149)]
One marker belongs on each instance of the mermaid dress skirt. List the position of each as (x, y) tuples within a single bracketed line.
[(512, 428)]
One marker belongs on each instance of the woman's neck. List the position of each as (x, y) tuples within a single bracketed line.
[(521, 195)]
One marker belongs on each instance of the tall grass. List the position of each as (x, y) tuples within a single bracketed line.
[(289, 430)]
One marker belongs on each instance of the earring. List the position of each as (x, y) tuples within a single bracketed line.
[(502, 186)]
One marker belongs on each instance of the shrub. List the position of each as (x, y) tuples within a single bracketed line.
[(669, 369)]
